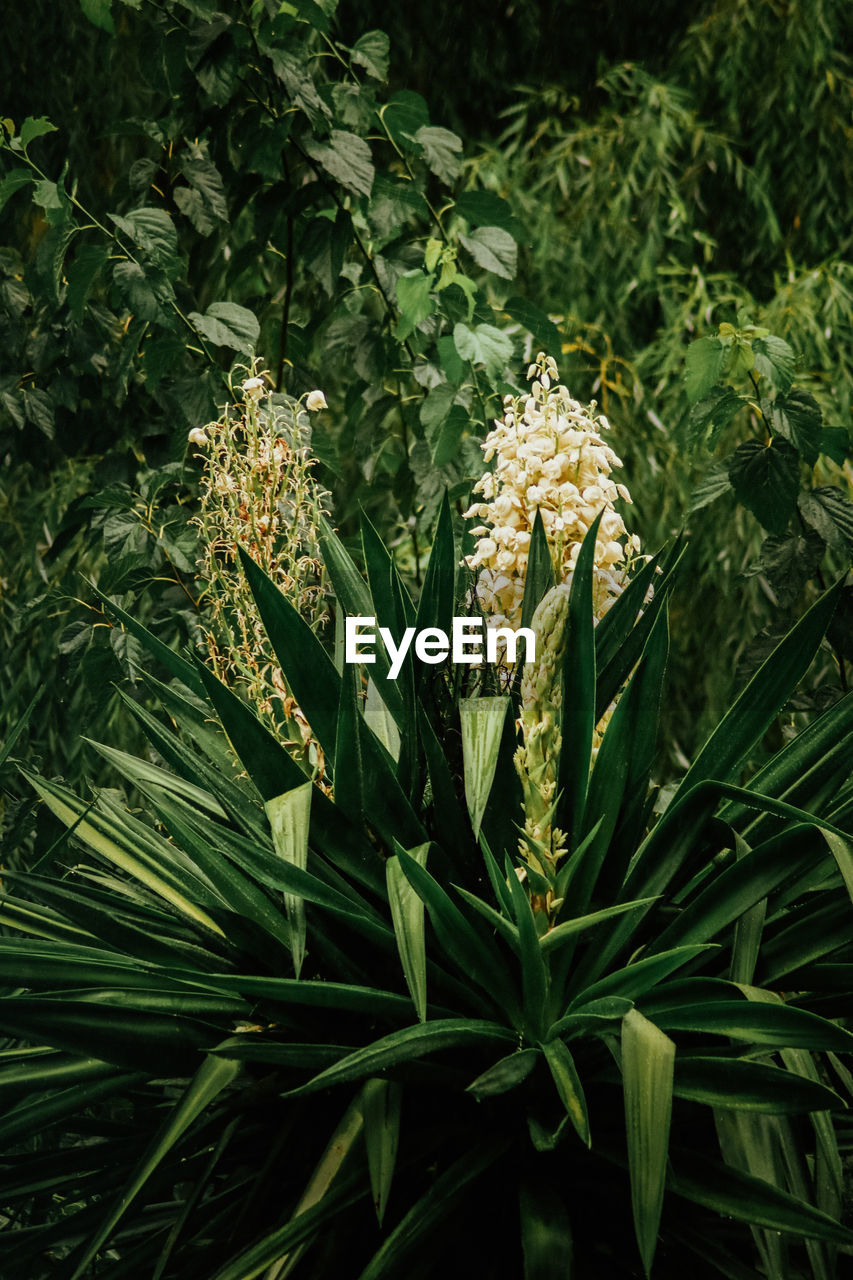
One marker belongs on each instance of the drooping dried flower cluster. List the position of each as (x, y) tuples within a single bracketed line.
[(549, 456), (258, 492)]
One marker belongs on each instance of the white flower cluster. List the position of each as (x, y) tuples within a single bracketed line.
[(549, 456)]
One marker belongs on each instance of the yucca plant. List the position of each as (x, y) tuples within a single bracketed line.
[(257, 1031)]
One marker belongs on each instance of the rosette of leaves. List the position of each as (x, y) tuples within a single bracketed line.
[(649, 1086)]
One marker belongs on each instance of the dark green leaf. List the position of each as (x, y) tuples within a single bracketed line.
[(371, 52), (775, 360), (766, 479), (710, 417), (831, 514), (797, 418), (532, 318), (441, 150), (493, 249), (226, 324), (346, 158)]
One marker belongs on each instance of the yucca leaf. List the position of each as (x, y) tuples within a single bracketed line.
[(507, 930), (505, 1074), (382, 577), (289, 817), (318, 995), (381, 1109), (482, 721), (618, 643), (743, 884), (177, 666), (409, 1044), (738, 1195), (534, 975), (153, 1042), (778, 1026), (213, 1076), (447, 813), (143, 774), (353, 594), (472, 951), (636, 979), (539, 577), (565, 1076), (407, 913), (750, 1086), (763, 697), (327, 1172), (112, 843), (379, 720), (23, 1122), (435, 607), (349, 779), (648, 1057), (577, 716), (560, 934)]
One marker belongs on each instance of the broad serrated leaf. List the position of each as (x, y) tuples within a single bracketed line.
[(226, 324), (830, 514), (710, 417), (442, 152), (798, 419), (154, 231), (493, 249), (345, 157), (483, 344), (413, 296), (766, 479), (35, 127), (371, 52), (775, 360), (713, 485), (703, 364)]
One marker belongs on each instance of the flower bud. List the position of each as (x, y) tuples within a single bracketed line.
[(315, 400)]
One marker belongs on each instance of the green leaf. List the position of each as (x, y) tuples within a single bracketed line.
[(710, 417), (154, 231), (648, 1057), (507, 1073), (766, 480), (403, 115), (483, 344), (789, 563), (381, 1108), (750, 1086), (487, 209), (775, 360), (578, 696), (763, 697), (741, 1196), (797, 418), (289, 818), (226, 324), (539, 578), (835, 443), (407, 1045), (14, 181), (81, 273), (347, 158), (407, 914), (482, 721), (493, 249), (779, 1026), (413, 296), (564, 1074), (534, 320), (119, 847), (371, 52), (294, 73), (99, 14), (703, 363), (441, 150), (213, 1076), (830, 514), (35, 127), (472, 949)]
